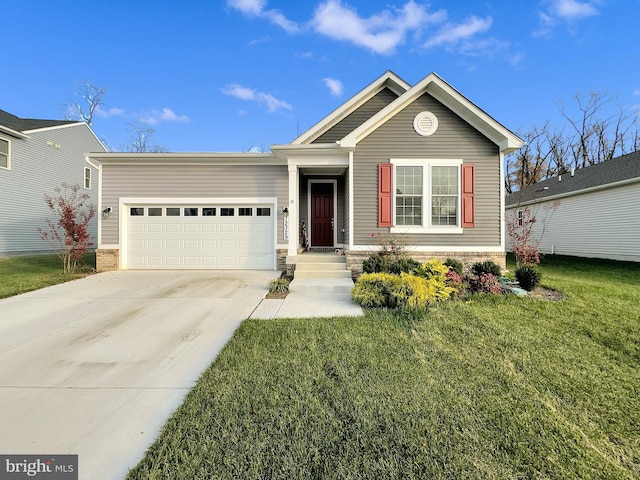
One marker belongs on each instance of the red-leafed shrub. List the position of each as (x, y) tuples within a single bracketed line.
[(70, 231)]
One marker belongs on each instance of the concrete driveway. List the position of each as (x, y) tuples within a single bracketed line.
[(94, 367)]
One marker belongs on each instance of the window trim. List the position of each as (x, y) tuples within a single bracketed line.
[(87, 169), (427, 226), (8, 167)]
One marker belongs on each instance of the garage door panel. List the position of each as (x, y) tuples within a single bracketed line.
[(200, 241), (191, 244)]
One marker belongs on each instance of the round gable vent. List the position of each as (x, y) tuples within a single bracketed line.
[(425, 123)]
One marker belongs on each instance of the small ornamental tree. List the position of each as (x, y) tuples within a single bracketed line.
[(70, 232), (524, 240)]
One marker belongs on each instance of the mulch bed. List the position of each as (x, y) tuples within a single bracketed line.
[(544, 293)]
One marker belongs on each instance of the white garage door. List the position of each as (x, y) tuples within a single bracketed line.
[(200, 237)]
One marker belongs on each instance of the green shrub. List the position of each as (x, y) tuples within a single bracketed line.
[(376, 263), (372, 289), (487, 266), (455, 265), (279, 285), (387, 290), (389, 263), (528, 277), (436, 272), (403, 265)]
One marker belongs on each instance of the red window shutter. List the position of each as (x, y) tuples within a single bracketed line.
[(468, 196), (384, 194)]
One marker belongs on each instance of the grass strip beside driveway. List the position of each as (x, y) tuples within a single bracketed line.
[(490, 387), (24, 273)]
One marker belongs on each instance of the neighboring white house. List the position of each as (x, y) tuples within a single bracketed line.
[(36, 156), (598, 212)]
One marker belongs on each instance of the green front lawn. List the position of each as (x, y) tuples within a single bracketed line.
[(491, 387), (22, 274)]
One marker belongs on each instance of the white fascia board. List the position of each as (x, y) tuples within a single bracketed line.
[(388, 79), (12, 132), (478, 118), (55, 127), (451, 98), (186, 158), (385, 114), (434, 249), (198, 200)]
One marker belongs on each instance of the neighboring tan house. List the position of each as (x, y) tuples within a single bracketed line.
[(36, 157), (418, 162), (597, 213)]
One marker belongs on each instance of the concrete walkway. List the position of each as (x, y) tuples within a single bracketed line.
[(324, 297)]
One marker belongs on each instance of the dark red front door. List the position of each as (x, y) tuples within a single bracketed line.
[(322, 215)]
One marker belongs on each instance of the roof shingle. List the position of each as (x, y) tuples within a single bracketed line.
[(25, 124), (625, 167)]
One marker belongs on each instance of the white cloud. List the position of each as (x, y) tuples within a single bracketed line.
[(165, 115), (452, 34), (106, 112), (256, 8), (380, 33), (572, 9), (563, 10), (249, 94), (334, 85)]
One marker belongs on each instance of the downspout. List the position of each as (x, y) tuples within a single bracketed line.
[(351, 236), (502, 210), (99, 211)]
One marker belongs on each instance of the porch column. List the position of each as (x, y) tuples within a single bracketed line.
[(294, 219)]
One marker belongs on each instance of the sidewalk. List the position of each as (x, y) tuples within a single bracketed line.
[(308, 305)]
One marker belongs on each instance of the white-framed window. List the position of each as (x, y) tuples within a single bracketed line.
[(426, 196), (87, 178), (5, 150)]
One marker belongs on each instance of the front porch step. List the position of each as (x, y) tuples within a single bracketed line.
[(322, 266), (315, 273), (321, 285), (309, 257)]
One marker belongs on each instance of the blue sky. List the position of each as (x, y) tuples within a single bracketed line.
[(228, 75)]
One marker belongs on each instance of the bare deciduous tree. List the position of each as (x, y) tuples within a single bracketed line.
[(598, 130), (141, 140), (88, 98)]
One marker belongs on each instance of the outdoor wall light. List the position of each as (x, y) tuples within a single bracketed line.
[(285, 210), (106, 212)]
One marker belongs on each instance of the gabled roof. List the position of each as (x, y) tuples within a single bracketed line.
[(388, 80), (451, 98), (619, 170), (17, 126)]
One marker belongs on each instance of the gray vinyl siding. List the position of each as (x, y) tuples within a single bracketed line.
[(37, 169), (193, 181), (358, 117), (598, 224), (454, 139)]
